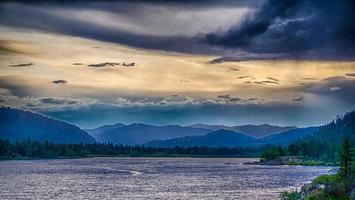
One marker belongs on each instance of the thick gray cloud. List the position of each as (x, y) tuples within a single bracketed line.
[(299, 28), (21, 65), (273, 29), (57, 101), (113, 64), (350, 74), (119, 22), (60, 81), (301, 98), (339, 87)]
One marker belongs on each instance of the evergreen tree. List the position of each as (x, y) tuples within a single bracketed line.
[(345, 163), (346, 159)]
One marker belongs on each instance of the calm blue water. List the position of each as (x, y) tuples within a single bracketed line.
[(149, 178)]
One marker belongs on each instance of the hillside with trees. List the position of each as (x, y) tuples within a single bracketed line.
[(27, 149), (16, 124), (324, 144)]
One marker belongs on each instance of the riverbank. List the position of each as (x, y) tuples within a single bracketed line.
[(300, 163), (126, 156)]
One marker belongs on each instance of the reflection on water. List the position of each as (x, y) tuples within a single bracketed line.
[(149, 178)]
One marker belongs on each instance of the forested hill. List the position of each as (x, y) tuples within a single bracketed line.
[(337, 130), (324, 144), (16, 124)]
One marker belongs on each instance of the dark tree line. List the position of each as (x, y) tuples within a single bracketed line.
[(34, 149), (323, 145)]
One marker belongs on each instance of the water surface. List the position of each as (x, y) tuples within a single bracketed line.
[(149, 178)]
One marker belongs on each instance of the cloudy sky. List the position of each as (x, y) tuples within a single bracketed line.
[(179, 62)]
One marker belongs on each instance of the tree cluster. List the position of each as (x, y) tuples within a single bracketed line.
[(35, 149)]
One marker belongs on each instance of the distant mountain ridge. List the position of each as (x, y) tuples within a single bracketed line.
[(219, 138), (228, 138), (172, 135), (101, 129), (16, 124), (143, 133), (258, 131)]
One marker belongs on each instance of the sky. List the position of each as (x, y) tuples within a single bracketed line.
[(179, 62)]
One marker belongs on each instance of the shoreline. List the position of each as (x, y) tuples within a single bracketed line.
[(264, 163), (305, 163), (256, 162), (124, 156)]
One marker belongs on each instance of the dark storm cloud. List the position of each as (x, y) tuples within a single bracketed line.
[(253, 99), (226, 96), (273, 79), (337, 87), (229, 98), (270, 82), (61, 81), (57, 101), (21, 65), (248, 56), (105, 64), (234, 69), (262, 82), (102, 3), (301, 98), (275, 29), (113, 64), (350, 74), (243, 77), (41, 18), (235, 99), (301, 28), (259, 82)]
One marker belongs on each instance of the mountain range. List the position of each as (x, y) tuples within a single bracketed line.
[(251, 130), (198, 135), (227, 138), (219, 138), (17, 124), (142, 133)]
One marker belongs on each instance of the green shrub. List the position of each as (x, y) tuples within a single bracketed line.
[(293, 195), (334, 187)]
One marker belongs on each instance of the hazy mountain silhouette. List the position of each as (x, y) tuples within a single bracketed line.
[(251, 130), (16, 124), (97, 131), (219, 138), (142, 133), (230, 138)]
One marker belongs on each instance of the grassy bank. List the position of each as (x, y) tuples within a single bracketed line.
[(339, 186)]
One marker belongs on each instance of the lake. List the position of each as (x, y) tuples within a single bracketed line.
[(150, 178)]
